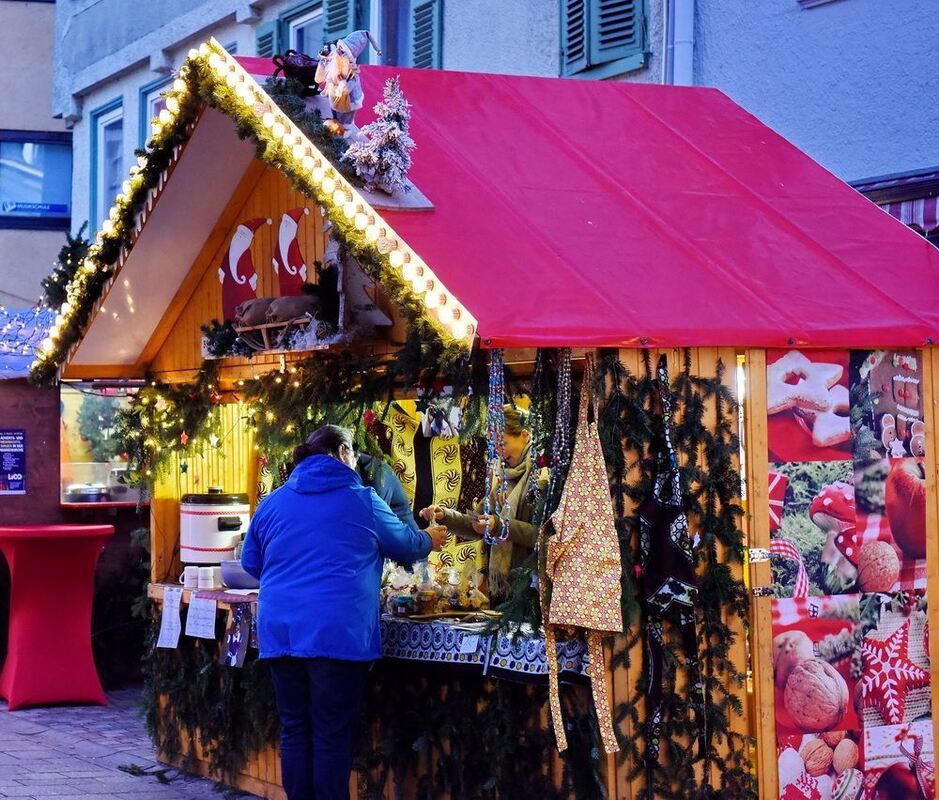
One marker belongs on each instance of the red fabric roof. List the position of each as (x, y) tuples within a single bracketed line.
[(585, 213)]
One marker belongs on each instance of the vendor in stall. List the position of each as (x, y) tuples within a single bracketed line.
[(522, 534), (317, 544)]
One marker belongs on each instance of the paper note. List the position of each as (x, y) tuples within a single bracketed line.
[(469, 643), (169, 622), (200, 621)]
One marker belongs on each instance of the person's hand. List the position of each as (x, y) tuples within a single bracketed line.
[(432, 513), (438, 535), (484, 523)]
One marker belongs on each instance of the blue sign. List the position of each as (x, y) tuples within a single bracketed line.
[(42, 209), (12, 461)]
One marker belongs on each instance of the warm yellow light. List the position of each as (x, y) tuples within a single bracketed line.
[(432, 299), (361, 221), (318, 174), (298, 151), (268, 119), (232, 79), (340, 197), (204, 49), (126, 187), (193, 53), (411, 271), (308, 163), (278, 130), (180, 86), (447, 314), (165, 117), (113, 214), (396, 258), (349, 210), (329, 184), (215, 60), (459, 329), (372, 232), (172, 104), (107, 227), (156, 130), (288, 138), (141, 161)]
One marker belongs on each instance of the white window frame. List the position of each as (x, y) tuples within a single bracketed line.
[(150, 98), (299, 21), (102, 199)]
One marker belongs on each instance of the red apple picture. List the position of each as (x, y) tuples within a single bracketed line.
[(906, 506), (897, 783)]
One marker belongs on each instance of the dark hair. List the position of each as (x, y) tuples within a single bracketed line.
[(324, 441)]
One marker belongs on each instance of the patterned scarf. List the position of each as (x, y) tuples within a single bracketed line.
[(500, 555)]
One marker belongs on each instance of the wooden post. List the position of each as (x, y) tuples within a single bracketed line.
[(761, 622)]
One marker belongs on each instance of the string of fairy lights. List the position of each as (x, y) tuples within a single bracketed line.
[(210, 69)]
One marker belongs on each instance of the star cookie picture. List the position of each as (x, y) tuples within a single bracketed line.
[(808, 405)]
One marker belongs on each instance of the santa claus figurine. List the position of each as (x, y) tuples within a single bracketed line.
[(338, 75), (236, 273), (289, 263)]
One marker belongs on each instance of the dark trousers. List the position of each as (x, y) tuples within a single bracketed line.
[(318, 700)]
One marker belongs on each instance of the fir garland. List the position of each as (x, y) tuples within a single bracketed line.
[(70, 258), (337, 387), (712, 482)]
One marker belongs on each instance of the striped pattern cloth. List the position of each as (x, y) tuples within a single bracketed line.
[(786, 549)]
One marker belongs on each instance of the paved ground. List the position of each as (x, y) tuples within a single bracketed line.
[(50, 753)]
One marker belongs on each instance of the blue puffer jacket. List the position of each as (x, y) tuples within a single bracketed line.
[(317, 545)]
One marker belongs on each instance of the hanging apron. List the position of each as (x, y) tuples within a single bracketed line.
[(668, 581), (584, 568)]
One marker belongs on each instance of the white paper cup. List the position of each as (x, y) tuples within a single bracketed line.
[(207, 577), (190, 577)]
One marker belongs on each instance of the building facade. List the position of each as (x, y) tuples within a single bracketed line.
[(847, 81), (35, 154)]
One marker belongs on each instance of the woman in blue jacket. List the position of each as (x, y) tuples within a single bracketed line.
[(317, 546)]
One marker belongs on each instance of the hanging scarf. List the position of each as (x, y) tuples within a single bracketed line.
[(668, 580), (500, 553)]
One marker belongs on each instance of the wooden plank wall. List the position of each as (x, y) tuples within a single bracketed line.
[(266, 194), (230, 465)]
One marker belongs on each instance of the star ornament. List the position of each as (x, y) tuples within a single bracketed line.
[(795, 382), (889, 674)]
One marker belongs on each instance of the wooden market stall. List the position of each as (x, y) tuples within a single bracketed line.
[(625, 221)]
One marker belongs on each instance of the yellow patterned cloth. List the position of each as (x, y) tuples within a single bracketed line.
[(404, 422), (584, 568)]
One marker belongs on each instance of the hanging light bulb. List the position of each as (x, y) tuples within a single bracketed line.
[(298, 151), (459, 329), (340, 197), (361, 221), (349, 210), (172, 104), (268, 119), (318, 174), (396, 258), (232, 79), (193, 53), (288, 137), (126, 187), (278, 130), (329, 183), (214, 60), (412, 270), (180, 86), (372, 232), (204, 49)]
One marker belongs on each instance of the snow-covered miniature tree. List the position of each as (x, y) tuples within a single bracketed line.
[(383, 159)]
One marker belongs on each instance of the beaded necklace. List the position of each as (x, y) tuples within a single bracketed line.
[(561, 445), (495, 449)]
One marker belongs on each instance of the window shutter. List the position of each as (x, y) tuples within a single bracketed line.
[(425, 40), (338, 19), (573, 36), (266, 44), (615, 30)]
